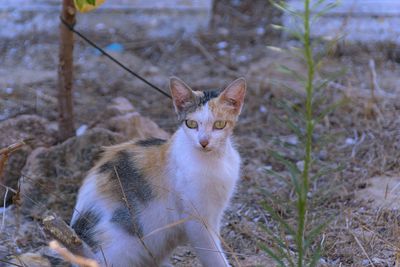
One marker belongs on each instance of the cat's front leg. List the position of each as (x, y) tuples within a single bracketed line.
[(205, 240)]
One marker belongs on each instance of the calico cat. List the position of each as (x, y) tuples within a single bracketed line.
[(144, 198)]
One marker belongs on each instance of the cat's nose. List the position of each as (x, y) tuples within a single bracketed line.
[(204, 143)]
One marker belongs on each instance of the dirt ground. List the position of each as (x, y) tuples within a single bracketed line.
[(362, 133)]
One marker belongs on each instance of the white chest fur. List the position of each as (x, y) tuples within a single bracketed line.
[(205, 179)]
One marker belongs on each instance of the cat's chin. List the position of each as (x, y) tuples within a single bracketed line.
[(205, 150)]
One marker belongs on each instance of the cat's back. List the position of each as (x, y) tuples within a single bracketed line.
[(132, 172), (137, 166)]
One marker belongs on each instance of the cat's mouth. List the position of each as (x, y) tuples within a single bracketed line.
[(205, 149)]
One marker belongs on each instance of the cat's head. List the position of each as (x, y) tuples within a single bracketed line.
[(208, 117)]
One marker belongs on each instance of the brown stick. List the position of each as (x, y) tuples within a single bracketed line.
[(65, 73), (72, 258), (13, 147), (6, 152), (374, 83), (59, 230)]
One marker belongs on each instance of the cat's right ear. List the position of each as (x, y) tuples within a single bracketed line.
[(182, 95)]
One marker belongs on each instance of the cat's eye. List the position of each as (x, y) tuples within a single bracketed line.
[(219, 125), (191, 124)]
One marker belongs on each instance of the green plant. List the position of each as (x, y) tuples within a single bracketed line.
[(301, 249)]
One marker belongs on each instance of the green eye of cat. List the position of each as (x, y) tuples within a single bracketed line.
[(191, 124), (219, 125)]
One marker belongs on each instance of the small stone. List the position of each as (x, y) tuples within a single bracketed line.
[(133, 125), (379, 261), (9, 90), (222, 52), (152, 70), (242, 58), (300, 165), (81, 130), (323, 155), (289, 237), (365, 262), (222, 45), (223, 31), (59, 170), (263, 109), (120, 106), (381, 192), (100, 26), (268, 167), (15, 130), (104, 90), (292, 140), (260, 31), (350, 141), (177, 258)]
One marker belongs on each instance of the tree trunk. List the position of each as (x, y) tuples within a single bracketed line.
[(213, 22), (65, 73)]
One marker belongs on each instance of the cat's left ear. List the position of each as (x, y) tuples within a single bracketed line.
[(233, 95)]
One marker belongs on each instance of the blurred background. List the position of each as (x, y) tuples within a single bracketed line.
[(208, 44)]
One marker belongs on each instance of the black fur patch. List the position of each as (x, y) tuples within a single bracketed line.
[(151, 142), (85, 226), (198, 102), (128, 221), (208, 95), (106, 167), (123, 171), (135, 186)]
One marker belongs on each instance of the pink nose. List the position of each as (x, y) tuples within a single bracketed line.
[(204, 143)]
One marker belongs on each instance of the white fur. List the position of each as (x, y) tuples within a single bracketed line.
[(206, 181), (87, 193)]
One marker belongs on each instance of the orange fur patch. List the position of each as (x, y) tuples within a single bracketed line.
[(150, 161), (222, 112)]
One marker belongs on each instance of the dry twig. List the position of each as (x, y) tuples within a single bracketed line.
[(72, 258), (374, 81), (59, 230), (6, 152)]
